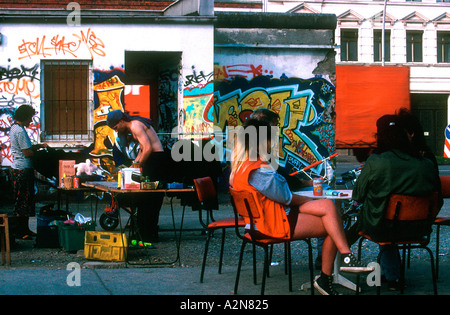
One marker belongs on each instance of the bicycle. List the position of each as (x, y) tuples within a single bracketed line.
[(349, 208)]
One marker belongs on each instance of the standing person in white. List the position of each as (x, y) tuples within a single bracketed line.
[(22, 171)]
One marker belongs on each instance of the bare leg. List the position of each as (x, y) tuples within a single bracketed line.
[(320, 218)]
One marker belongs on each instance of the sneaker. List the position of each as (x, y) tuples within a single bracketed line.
[(324, 284), (349, 263)]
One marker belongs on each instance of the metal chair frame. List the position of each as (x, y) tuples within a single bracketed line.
[(207, 196), (402, 208), (244, 206)]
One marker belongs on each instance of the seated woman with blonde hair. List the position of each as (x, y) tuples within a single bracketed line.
[(287, 215)]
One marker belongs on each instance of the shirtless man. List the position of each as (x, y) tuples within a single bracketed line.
[(151, 158), (141, 132)]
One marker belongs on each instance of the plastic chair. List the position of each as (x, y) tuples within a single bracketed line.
[(4, 239), (401, 213), (441, 221), (207, 196), (244, 206)]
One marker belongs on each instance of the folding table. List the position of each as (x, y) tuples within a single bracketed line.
[(111, 187)]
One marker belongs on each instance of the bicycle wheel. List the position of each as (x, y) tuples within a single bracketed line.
[(108, 223)]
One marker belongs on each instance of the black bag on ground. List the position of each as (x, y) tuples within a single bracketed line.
[(47, 232)]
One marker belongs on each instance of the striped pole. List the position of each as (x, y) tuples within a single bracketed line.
[(447, 142)]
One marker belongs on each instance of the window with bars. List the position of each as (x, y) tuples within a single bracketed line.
[(414, 46), (377, 47), (349, 45), (66, 100), (443, 46)]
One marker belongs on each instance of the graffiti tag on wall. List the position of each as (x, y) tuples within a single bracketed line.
[(18, 85), (48, 45), (196, 117)]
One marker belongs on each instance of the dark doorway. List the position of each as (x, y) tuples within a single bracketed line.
[(431, 109), (161, 71)]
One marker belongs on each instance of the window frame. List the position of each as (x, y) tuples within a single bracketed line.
[(377, 44), (443, 55), (413, 44), (83, 136), (347, 41)]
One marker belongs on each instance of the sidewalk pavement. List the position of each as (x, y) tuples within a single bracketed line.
[(106, 278), (103, 278), (185, 281)]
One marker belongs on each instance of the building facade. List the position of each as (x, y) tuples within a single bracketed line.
[(75, 62), (177, 62)]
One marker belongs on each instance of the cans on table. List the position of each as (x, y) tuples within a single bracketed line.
[(317, 186), (76, 182)]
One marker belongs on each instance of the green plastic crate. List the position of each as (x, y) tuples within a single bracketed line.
[(71, 237)]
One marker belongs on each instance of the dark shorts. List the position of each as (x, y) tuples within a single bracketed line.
[(292, 219)]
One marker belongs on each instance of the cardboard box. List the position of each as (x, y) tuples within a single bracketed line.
[(67, 168), (127, 180)]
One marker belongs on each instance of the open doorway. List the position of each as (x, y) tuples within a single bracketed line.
[(431, 109), (154, 76)]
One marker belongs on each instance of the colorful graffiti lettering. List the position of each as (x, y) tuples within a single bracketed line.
[(108, 96), (196, 116), (59, 45), (305, 136), (18, 85)]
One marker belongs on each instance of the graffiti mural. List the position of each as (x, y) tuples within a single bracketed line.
[(196, 118), (305, 108), (18, 85)]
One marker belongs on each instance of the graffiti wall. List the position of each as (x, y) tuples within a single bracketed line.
[(305, 108), (195, 118), (25, 47), (20, 72), (19, 84)]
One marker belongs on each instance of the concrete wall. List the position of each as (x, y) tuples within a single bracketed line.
[(289, 70)]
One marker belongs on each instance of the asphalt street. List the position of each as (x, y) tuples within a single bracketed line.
[(182, 280)]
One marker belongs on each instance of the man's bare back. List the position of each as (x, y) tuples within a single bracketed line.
[(147, 138)]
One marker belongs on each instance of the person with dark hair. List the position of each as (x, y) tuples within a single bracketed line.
[(415, 133), (284, 214), (22, 171), (395, 167)]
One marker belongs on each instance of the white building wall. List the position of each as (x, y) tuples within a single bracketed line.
[(427, 76), (26, 45)]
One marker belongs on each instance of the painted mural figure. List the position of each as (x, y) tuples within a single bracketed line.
[(22, 171), (153, 161)]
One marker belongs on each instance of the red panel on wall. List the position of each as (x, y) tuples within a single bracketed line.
[(364, 94), (137, 100)]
